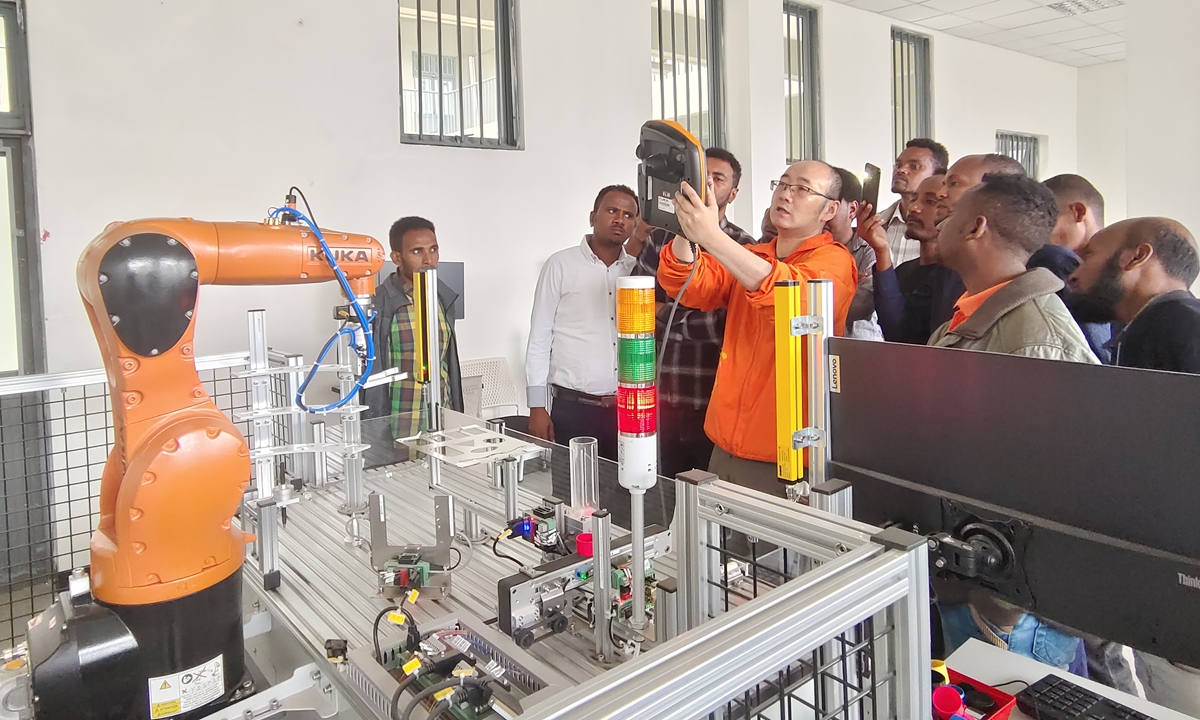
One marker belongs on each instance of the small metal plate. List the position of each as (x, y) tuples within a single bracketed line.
[(469, 445)]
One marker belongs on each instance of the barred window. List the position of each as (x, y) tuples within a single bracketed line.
[(801, 90), (458, 73), (21, 315), (685, 64), (912, 103), (1022, 148)]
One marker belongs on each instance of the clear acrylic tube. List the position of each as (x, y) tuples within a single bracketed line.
[(585, 487)]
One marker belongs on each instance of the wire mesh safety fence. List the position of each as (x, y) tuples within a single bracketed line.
[(839, 680), (55, 435), (842, 679)]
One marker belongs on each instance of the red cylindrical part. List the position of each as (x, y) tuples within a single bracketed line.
[(583, 544)]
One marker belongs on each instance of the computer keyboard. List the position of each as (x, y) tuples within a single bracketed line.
[(1056, 698)]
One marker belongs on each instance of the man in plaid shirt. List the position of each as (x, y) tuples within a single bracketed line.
[(693, 343), (414, 247)]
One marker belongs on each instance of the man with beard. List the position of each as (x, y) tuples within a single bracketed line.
[(1138, 273), (919, 295), (920, 159)]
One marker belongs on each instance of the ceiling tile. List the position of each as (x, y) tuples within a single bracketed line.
[(1107, 49), (999, 37), (913, 13), (945, 22), (1053, 26), (1105, 39), (1117, 26), (997, 8), (953, 5), (1081, 33), (971, 30), (1025, 44), (1112, 57), (1088, 60), (880, 6), (1098, 17), (1027, 17), (1042, 51)]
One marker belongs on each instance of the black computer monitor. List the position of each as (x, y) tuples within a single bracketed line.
[(1088, 476)]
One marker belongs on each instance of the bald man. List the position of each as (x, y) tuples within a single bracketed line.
[(741, 278), (1139, 273), (968, 172)]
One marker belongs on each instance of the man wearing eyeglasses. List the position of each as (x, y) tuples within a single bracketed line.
[(741, 279)]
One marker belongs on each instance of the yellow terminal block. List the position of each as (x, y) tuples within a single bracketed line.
[(789, 380), (410, 666), (397, 618), (412, 596), (443, 694)]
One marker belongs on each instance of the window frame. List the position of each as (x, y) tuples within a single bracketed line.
[(508, 96), (715, 55), (918, 50), (810, 72), (1018, 138), (16, 139)]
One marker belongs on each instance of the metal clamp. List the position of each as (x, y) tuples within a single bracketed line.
[(807, 325), (808, 437)]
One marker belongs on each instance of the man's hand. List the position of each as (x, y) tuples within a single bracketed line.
[(870, 229), (540, 424), (700, 219), (641, 233)]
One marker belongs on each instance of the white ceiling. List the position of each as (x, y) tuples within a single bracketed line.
[(1072, 32)]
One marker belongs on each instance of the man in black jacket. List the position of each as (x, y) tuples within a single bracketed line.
[(1138, 272), (414, 247)]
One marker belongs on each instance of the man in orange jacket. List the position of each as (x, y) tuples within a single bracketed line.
[(741, 415)]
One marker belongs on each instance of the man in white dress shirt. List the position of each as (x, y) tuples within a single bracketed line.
[(571, 359), (920, 159)]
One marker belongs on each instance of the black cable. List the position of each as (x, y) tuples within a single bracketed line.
[(497, 553), (1010, 682), (662, 351), (395, 706), (307, 209), (456, 562), (375, 630), (454, 682)]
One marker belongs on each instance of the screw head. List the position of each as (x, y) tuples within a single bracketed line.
[(103, 278)]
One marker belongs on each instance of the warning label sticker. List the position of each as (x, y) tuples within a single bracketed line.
[(666, 204), (187, 690)]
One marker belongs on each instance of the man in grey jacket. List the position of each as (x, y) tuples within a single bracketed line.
[(987, 240)]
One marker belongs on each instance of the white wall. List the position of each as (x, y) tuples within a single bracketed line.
[(1103, 129), (1164, 86), (977, 90), (213, 109)]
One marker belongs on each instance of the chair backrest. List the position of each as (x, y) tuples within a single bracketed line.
[(472, 387), (499, 391)]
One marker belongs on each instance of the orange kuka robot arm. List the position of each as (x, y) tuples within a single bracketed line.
[(178, 467)]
